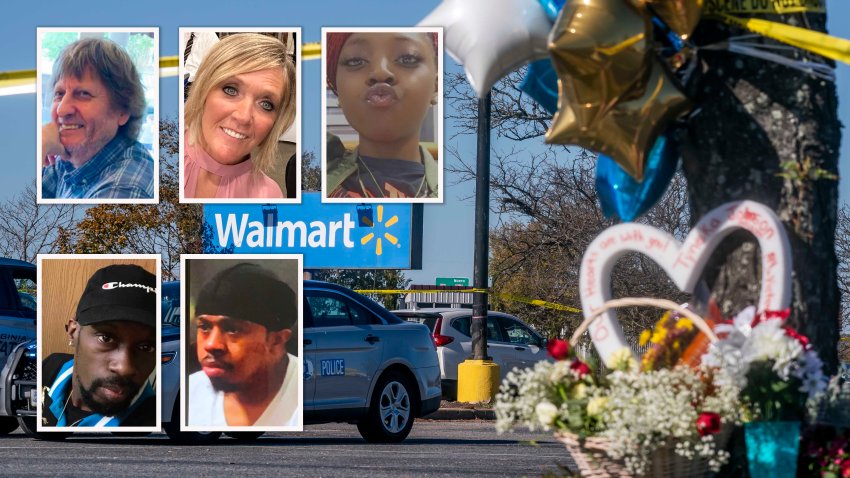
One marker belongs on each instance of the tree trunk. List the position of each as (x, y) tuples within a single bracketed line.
[(769, 133)]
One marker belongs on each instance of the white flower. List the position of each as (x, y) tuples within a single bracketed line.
[(646, 410), (546, 413), (744, 320), (560, 371), (768, 341)]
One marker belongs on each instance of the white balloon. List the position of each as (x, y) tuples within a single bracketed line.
[(491, 38)]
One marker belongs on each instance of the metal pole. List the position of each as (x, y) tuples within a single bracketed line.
[(482, 231)]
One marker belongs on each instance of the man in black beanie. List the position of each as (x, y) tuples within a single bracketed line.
[(244, 317), (109, 380)]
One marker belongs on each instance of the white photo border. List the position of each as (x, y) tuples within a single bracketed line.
[(40, 325), (299, 144), (440, 112), (39, 95), (184, 325)]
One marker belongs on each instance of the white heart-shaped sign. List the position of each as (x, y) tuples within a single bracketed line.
[(682, 262)]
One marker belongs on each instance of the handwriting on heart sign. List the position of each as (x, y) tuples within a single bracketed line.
[(684, 262)]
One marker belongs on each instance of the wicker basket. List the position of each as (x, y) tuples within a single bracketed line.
[(591, 454)]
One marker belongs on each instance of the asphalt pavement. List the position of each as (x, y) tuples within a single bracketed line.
[(434, 448)]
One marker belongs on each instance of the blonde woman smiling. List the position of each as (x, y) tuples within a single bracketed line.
[(242, 100)]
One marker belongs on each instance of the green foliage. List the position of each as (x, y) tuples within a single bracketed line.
[(770, 398), (140, 48), (52, 43), (805, 170), (311, 174), (370, 279)]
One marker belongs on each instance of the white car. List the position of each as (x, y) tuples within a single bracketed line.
[(510, 342)]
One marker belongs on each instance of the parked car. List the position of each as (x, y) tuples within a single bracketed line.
[(510, 342), (17, 325), (362, 365)]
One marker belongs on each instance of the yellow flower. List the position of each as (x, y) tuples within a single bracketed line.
[(644, 337), (658, 336), (622, 359), (579, 391), (685, 323), (596, 406)]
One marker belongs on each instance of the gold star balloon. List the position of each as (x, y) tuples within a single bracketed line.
[(614, 96), (604, 46), (681, 16), (628, 131)]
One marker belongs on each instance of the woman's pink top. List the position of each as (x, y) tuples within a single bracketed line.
[(238, 181)]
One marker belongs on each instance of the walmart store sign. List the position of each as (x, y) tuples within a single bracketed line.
[(368, 236)]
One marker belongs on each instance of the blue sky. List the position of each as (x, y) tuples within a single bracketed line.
[(448, 227)]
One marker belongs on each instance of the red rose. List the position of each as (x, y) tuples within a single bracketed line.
[(558, 349), (580, 367), (708, 423)]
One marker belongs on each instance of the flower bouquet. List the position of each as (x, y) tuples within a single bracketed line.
[(776, 374), (633, 421), (827, 452)]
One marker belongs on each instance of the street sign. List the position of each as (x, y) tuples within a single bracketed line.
[(453, 281)]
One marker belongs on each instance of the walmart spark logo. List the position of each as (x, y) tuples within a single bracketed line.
[(365, 218)]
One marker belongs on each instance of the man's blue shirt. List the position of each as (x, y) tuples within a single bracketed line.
[(123, 169)]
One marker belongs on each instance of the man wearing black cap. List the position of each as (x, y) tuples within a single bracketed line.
[(109, 381), (244, 317)]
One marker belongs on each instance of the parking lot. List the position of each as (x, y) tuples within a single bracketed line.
[(434, 448)]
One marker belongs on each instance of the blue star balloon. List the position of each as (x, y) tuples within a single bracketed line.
[(552, 8), (621, 195), (541, 84), (541, 81)]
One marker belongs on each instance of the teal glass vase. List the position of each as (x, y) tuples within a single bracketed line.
[(772, 448)]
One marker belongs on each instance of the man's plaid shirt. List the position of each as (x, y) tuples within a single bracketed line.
[(123, 169)]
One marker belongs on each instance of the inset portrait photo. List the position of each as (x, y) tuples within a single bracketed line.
[(383, 115), (241, 336), (98, 343), (98, 115), (240, 136)]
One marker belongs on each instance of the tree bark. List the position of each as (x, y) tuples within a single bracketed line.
[(769, 133)]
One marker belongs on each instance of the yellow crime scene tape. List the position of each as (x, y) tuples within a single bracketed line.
[(816, 42), (23, 81), (537, 302), (738, 7)]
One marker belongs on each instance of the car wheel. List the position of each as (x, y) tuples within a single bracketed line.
[(8, 425), (244, 436), (172, 429), (391, 413), (29, 426)]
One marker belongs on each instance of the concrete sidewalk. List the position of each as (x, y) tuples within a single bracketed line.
[(462, 411)]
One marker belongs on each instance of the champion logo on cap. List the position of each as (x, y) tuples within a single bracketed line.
[(118, 285)]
